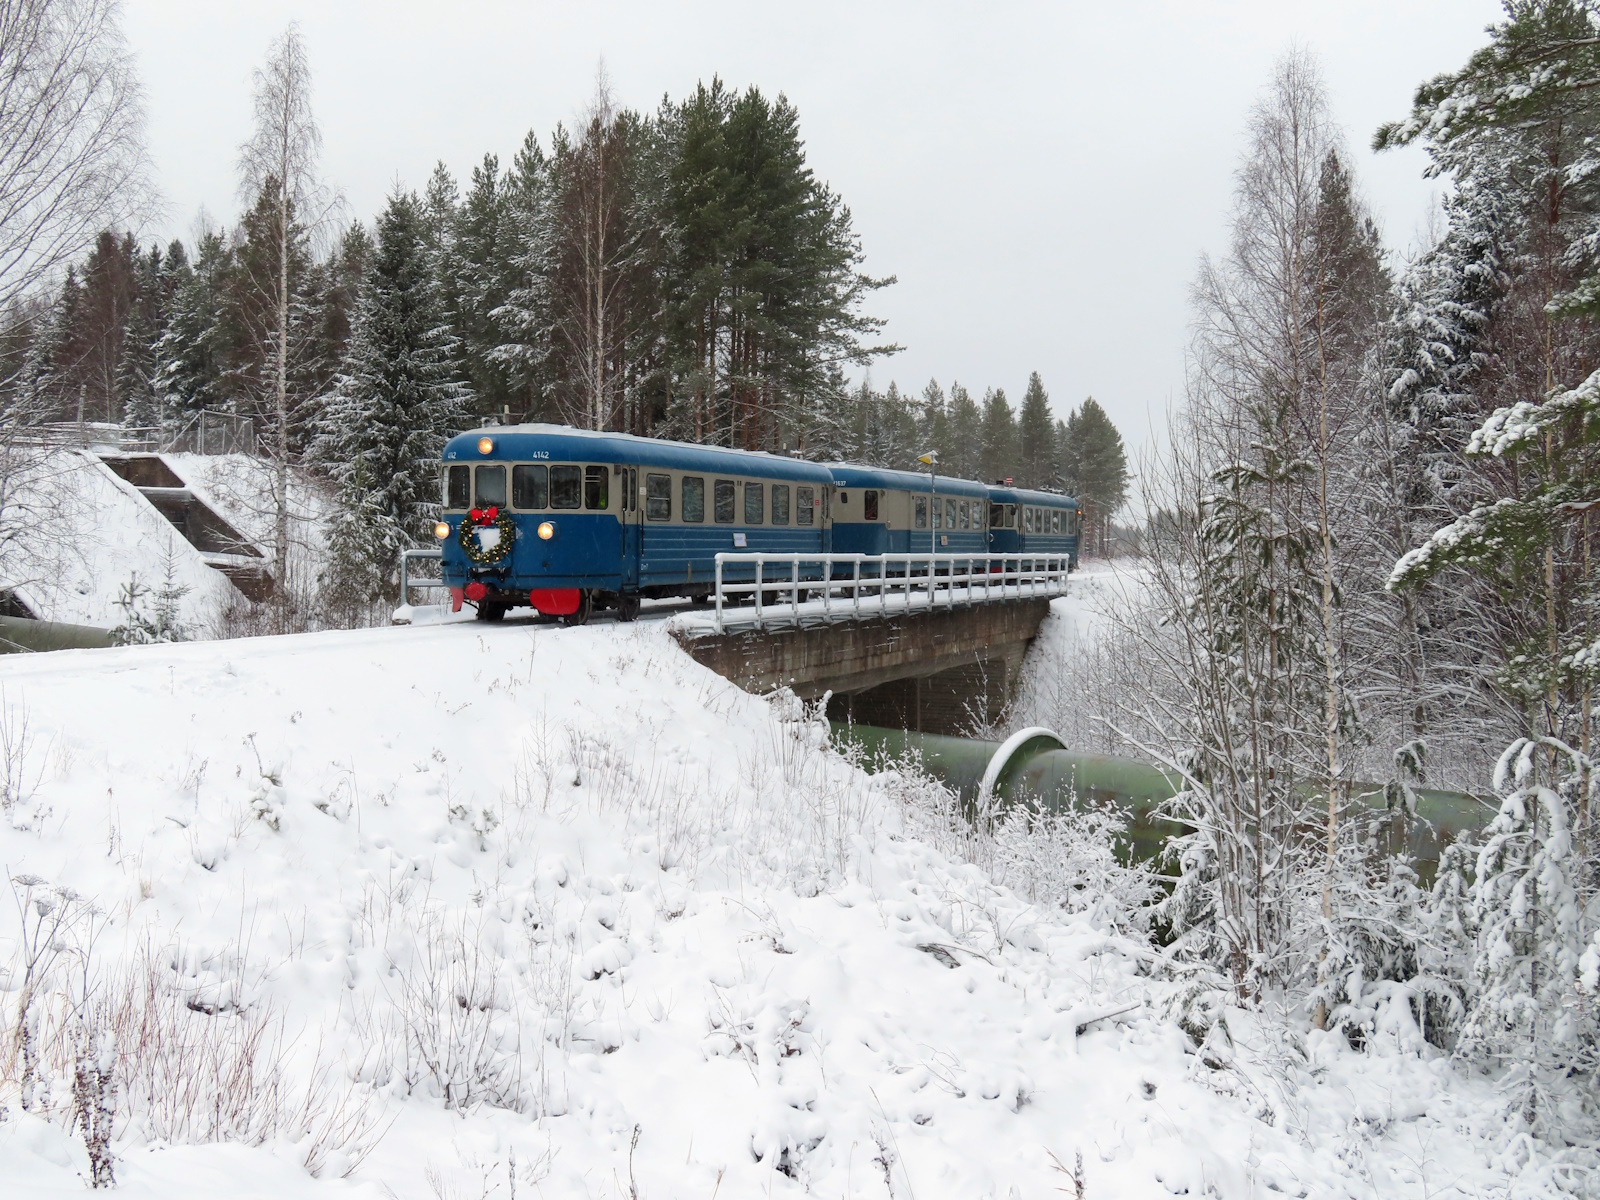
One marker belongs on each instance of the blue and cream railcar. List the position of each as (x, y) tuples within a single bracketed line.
[(566, 520), (903, 512), (1034, 523)]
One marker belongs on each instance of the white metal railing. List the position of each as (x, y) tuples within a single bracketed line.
[(407, 557), (833, 587)]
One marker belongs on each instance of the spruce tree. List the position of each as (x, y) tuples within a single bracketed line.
[(965, 460), (485, 277), (997, 438), (1095, 469), (398, 400), (522, 320), (136, 368), (933, 422), (1036, 437), (192, 354)]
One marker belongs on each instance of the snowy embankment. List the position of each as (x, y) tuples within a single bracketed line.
[(560, 906), (93, 534)]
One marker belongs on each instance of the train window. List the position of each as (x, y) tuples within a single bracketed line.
[(844, 497), (694, 499), (596, 488), (919, 512), (1055, 522), (458, 487), (997, 515), (869, 506), (938, 515), (1011, 516), (658, 497), (965, 514), (722, 500), (490, 487), (949, 514), (530, 486), (805, 506), (566, 487), (755, 500), (780, 504)]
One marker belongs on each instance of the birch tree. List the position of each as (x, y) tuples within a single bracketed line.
[(72, 155), (278, 164)]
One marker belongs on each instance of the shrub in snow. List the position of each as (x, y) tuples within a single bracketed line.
[(151, 614), (460, 1034), (1067, 861)]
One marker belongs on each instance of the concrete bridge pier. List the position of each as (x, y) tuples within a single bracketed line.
[(934, 672)]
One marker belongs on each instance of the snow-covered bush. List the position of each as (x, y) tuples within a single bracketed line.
[(1530, 1011)]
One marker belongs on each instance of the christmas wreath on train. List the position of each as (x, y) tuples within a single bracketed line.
[(492, 550)]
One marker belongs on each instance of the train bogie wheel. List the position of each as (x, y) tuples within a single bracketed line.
[(584, 611), (628, 606), (491, 610)]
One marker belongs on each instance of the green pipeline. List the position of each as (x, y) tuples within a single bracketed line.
[(1037, 768), (18, 635)]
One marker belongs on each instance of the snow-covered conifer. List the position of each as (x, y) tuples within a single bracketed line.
[(398, 399)]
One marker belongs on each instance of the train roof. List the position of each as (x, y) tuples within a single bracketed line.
[(857, 476), (563, 443), (1011, 495)]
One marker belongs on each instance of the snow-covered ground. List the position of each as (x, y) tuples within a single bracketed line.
[(557, 912)]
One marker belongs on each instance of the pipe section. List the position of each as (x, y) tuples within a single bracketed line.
[(18, 635), (1035, 765)]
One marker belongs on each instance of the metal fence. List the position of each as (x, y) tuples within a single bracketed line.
[(215, 433), (794, 588), (407, 557)]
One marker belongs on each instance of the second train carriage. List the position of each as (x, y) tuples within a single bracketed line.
[(878, 511)]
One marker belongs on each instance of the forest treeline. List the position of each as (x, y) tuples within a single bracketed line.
[(680, 274), (1371, 568)]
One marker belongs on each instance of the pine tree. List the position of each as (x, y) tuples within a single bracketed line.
[(1035, 437), (398, 400)]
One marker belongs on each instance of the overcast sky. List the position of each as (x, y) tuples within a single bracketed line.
[(1042, 178)]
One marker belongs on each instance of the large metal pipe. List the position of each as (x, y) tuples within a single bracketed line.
[(1035, 765), (18, 635)]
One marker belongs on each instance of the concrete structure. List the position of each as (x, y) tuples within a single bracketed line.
[(939, 672)]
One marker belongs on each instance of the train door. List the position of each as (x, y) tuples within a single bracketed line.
[(629, 516)]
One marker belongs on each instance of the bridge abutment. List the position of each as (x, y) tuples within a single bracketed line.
[(935, 672)]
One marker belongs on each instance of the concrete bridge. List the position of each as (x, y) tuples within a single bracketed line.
[(936, 670)]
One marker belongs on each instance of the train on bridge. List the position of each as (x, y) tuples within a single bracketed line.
[(568, 521)]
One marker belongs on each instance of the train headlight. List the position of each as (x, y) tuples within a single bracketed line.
[(485, 445), (547, 530), (441, 531)]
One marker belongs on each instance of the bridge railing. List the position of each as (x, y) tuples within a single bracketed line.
[(407, 557), (790, 588)]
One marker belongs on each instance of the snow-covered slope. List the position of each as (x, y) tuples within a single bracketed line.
[(94, 533), (559, 904), (240, 488)]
